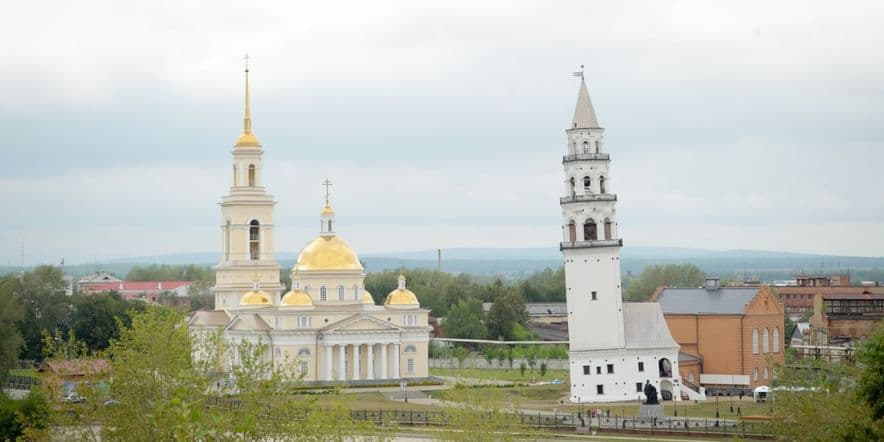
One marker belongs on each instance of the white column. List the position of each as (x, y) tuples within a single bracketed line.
[(383, 361), (327, 370), (396, 374), (369, 361), (356, 362), (342, 358)]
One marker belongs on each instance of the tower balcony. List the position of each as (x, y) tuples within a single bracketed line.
[(588, 197), (591, 244), (586, 156)]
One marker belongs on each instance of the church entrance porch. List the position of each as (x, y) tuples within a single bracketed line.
[(357, 362)]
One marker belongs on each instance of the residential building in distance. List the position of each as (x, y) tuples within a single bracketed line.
[(843, 318), (735, 334), (144, 290), (798, 299), (85, 283)]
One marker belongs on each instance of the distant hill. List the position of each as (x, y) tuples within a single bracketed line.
[(514, 263)]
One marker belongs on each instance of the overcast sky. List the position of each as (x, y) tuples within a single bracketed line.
[(735, 125)]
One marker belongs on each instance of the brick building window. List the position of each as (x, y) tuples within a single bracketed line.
[(765, 341), (755, 373), (754, 341), (776, 340)]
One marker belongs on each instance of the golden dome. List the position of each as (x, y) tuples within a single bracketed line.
[(255, 298), (367, 298), (327, 253), (296, 298), (247, 139), (402, 297), (327, 210)]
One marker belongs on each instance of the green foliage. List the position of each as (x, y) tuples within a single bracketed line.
[(46, 307), (522, 368), (505, 316), (544, 286), (165, 272), (95, 318), (673, 275), (483, 414), (464, 320), (11, 314), (542, 369), (18, 417), (871, 381)]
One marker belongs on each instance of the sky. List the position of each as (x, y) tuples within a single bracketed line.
[(750, 125)]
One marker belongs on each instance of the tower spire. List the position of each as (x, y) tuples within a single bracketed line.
[(584, 114), (247, 138)]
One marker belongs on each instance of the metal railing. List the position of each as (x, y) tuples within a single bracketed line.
[(585, 156), (592, 243), (588, 197)]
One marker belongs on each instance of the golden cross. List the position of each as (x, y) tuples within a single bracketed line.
[(327, 184)]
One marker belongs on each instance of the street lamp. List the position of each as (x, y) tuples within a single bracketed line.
[(716, 406)]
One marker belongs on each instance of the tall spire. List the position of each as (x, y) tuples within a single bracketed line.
[(247, 138), (584, 114)]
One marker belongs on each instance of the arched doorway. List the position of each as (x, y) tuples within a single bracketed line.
[(665, 368), (666, 392)]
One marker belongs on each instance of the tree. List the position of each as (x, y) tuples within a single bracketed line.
[(464, 320), (671, 275), (11, 341), (46, 307), (508, 311), (96, 318), (871, 381)]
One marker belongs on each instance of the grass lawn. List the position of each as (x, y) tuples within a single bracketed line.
[(26, 372), (512, 375)]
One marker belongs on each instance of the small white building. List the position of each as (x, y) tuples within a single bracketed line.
[(615, 347)]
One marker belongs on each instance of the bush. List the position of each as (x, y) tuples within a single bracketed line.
[(542, 369), (19, 415)]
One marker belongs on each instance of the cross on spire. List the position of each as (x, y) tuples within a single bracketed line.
[(246, 60), (579, 74), (327, 185)]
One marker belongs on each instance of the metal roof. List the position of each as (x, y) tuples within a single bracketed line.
[(645, 326), (723, 301)]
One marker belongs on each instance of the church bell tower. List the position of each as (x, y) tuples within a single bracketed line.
[(246, 225), (590, 245)]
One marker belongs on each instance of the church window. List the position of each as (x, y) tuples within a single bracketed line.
[(595, 296), (574, 147), (754, 341), (410, 349), (323, 293), (572, 231), (254, 240), (596, 147), (585, 147), (589, 230), (303, 322), (587, 182), (601, 184), (608, 233), (304, 352), (765, 341), (599, 389), (610, 368), (638, 387), (586, 369), (410, 365), (776, 340), (251, 175), (573, 192), (409, 320), (355, 292), (303, 367), (340, 293), (641, 366)]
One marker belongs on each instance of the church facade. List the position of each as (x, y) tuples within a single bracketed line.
[(327, 326), (615, 348)]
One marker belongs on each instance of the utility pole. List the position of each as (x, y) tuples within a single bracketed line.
[(439, 260)]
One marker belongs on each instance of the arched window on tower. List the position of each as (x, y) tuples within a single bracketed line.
[(323, 293), (340, 293), (254, 240), (601, 184), (589, 230), (586, 147), (573, 147), (596, 147), (572, 231), (608, 233), (227, 241), (587, 183), (251, 175), (573, 192)]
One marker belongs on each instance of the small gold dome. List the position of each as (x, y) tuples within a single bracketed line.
[(296, 298), (327, 253), (367, 298), (255, 298), (247, 140), (402, 298), (327, 210)]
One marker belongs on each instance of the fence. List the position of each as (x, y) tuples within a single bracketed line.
[(20, 382), (480, 363)]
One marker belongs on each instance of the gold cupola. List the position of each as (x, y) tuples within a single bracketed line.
[(255, 297), (297, 298), (328, 251), (247, 139), (401, 297)]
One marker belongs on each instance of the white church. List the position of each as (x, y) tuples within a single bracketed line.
[(615, 347)]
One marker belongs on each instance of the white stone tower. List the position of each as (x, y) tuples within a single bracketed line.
[(591, 246), (246, 225)]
